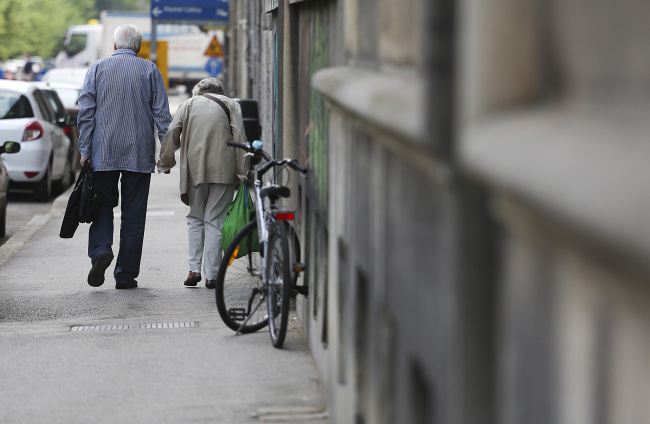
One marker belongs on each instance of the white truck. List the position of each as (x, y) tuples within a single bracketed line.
[(186, 45)]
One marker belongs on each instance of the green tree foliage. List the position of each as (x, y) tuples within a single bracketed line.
[(121, 5), (38, 26)]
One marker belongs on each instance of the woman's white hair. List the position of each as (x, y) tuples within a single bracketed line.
[(127, 36), (208, 84)]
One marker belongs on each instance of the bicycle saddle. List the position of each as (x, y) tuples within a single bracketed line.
[(274, 192)]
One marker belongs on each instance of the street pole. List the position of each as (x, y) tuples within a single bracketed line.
[(153, 54)]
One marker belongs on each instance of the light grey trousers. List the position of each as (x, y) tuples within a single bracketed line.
[(208, 209)]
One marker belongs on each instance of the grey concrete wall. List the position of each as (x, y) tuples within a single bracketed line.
[(566, 186), (475, 221)]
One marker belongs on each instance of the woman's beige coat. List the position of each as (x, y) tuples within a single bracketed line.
[(200, 130)]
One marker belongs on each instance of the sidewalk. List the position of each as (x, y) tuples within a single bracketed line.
[(157, 354)]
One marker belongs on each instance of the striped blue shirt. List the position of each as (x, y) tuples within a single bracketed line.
[(121, 99)]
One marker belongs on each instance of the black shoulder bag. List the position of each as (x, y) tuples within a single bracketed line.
[(82, 203)]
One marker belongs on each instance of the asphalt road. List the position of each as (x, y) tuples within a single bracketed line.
[(21, 208)]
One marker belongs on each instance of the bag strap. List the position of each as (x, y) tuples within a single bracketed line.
[(82, 174), (222, 104)]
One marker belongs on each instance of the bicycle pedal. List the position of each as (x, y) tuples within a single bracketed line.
[(237, 314), (303, 290), (298, 267)]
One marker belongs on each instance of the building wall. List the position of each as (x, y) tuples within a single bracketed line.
[(474, 223), (549, 118)]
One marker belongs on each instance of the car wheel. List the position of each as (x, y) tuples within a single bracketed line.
[(3, 223), (43, 188)]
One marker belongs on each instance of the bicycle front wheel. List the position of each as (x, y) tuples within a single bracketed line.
[(239, 292), (279, 283)]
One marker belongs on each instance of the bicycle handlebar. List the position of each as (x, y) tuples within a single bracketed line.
[(292, 163), (239, 145), (295, 165), (250, 148), (270, 162)]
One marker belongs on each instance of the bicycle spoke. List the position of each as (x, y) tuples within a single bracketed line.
[(279, 284), (250, 315), (239, 284)]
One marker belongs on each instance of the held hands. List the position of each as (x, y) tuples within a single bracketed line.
[(161, 168), (84, 159)]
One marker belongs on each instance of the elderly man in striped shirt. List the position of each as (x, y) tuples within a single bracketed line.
[(123, 96)]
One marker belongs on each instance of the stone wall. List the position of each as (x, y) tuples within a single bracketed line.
[(475, 220)]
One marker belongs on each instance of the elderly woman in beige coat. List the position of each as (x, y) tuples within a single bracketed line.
[(210, 170)]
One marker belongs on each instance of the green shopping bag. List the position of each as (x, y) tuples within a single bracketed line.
[(239, 214)]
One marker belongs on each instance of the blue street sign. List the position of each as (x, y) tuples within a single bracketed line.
[(191, 2), (187, 11), (213, 67)]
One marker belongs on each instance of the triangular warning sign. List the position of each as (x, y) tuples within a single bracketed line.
[(214, 49)]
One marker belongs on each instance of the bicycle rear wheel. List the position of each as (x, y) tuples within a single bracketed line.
[(239, 293), (279, 283), (294, 249)]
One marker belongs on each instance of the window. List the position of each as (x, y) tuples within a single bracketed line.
[(14, 106), (58, 109), (76, 44), (44, 106)]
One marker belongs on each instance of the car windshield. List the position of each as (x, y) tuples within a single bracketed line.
[(76, 44), (14, 106)]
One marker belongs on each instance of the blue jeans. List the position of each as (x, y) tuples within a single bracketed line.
[(135, 193)]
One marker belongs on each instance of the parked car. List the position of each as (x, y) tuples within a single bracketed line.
[(68, 93), (7, 148), (63, 99), (45, 161), (65, 75)]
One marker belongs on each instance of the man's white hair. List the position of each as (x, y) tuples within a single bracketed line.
[(127, 36), (208, 84)]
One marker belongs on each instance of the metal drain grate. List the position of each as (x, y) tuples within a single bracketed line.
[(284, 414), (122, 327)]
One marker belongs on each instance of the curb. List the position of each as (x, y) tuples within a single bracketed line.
[(18, 240)]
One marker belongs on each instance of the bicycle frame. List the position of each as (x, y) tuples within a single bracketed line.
[(262, 230), (265, 216), (263, 235)]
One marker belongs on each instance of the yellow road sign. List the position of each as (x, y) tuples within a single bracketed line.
[(161, 61), (214, 49)]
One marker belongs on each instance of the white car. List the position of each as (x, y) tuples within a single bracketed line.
[(68, 93), (74, 76), (7, 147), (45, 160)]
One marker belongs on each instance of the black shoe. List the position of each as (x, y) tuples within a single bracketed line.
[(96, 274), (126, 284), (192, 279), (211, 284)]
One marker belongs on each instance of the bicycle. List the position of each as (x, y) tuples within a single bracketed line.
[(263, 274)]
